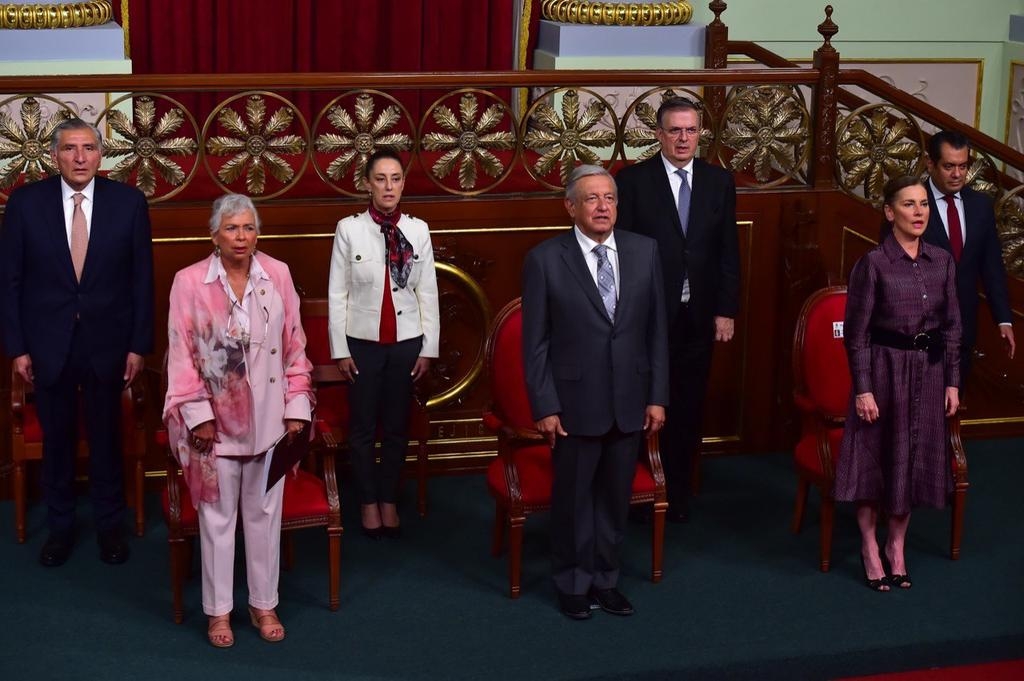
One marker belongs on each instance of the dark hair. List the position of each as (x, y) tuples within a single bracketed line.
[(676, 104), (956, 140), (896, 185), (383, 152)]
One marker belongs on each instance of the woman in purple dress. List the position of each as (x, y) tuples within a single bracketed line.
[(902, 333)]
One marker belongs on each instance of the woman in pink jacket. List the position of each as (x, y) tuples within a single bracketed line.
[(238, 381)]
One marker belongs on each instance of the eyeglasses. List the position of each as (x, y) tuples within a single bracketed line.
[(680, 132)]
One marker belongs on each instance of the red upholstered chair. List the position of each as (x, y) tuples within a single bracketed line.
[(332, 397), (27, 445), (520, 476), (310, 500), (821, 391)]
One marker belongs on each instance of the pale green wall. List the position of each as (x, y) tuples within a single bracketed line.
[(875, 29)]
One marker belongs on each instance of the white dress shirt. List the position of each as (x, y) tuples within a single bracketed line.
[(676, 182), (942, 207)]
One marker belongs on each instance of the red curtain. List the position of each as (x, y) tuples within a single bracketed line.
[(271, 36)]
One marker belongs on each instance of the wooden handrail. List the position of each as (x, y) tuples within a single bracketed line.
[(419, 81), (911, 104)]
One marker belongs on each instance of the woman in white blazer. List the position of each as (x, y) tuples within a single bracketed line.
[(384, 329)]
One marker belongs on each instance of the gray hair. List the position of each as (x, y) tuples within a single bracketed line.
[(232, 204), (74, 124), (585, 170)]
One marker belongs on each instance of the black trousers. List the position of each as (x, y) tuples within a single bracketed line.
[(380, 393), (593, 480), (689, 344), (58, 409)]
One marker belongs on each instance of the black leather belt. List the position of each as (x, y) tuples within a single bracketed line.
[(930, 341)]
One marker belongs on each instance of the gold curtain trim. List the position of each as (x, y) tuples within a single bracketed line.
[(126, 27), (56, 15), (670, 13)]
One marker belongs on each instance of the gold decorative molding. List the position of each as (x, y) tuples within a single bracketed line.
[(56, 15), (671, 13)]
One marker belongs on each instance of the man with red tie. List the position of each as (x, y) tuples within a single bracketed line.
[(963, 222)]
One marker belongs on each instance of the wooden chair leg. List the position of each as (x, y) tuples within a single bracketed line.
[(498, 541), (19, 500), (657, 540), (515, 554), (189, 547), (334, 560), (959, 501), (179, 550), (828, 505), (803, 486)]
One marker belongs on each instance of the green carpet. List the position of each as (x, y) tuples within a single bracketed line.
[(741, 599)]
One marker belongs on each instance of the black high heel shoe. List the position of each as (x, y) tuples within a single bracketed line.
[(375, 533), (880, 585), (901, 581)]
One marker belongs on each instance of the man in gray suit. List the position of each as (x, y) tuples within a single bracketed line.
[(595, 354)]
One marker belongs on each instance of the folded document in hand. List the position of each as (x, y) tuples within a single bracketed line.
[(283, 455)]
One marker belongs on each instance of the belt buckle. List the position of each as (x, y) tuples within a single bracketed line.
[(922, 342)]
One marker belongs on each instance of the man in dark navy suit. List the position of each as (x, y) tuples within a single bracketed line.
[(76, 306), (595, 355), (688, 207), (963, 222)]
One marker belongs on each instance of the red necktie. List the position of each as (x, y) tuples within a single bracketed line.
[(956, 233)]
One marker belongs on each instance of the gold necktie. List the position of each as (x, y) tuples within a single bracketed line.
[(79, 236)]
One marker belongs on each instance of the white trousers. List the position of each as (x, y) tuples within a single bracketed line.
[(239, 481)]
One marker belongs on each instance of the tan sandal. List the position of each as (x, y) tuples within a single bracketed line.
[(267, 622), (219, 631)]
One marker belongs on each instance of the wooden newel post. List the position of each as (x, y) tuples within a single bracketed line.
[(716, 56), (826, 112)]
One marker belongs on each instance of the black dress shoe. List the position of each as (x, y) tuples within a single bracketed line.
[(574, 606), (612, 601), (57, 549), (113, 547)]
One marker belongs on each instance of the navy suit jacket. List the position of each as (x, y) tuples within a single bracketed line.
[(982, 257), (708, 254), (40, 299), (592, 372)]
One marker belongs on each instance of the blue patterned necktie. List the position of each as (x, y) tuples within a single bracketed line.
[(684, 201), (605, 280)]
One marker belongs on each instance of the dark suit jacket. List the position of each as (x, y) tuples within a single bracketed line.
[(709, 254), (982, 257), (580, 365), (40, 298)]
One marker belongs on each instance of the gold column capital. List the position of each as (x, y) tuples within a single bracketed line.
[(55, 15), (666, 13)]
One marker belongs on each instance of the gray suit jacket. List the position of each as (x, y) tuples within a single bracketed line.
[(593, 372)]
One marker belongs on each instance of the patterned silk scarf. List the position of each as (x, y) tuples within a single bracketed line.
[(399, 249)]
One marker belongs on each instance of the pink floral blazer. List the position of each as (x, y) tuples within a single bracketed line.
[(247, 390)]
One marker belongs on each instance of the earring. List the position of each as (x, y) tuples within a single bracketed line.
[(216, 250)]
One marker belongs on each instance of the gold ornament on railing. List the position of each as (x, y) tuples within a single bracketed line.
[(147, 144), (360, 132), (55, 15), (565, 139), (469, 139), (671, 13), (28, 145), (257, 144), (876, 143), (766, 129), (1010, 221)]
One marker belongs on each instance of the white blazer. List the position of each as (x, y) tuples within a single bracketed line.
[(356, 286)]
